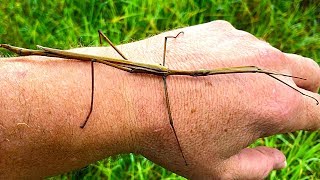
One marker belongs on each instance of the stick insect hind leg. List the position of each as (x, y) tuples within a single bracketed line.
[(101, 36), (167, 96)]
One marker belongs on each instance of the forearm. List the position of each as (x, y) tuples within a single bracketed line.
[(44, 102)]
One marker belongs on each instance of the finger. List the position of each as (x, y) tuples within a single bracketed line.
[(254, 163), (305, 68), (308, 113)]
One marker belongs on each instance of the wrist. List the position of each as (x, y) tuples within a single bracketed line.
[(154, 134), (133, 104)]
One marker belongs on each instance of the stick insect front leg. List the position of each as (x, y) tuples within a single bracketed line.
[(164, 77)]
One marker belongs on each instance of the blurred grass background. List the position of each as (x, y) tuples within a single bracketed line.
[(291, 26)]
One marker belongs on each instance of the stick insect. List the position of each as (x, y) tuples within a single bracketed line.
[(137, 67)]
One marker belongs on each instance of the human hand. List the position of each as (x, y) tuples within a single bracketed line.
[(217, 117)]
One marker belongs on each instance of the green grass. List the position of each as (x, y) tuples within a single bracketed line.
[(291, 26)]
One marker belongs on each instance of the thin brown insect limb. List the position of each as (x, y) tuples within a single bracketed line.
[(171, 119), (165, 45), (101, 35), (167, 97), (92, 95)]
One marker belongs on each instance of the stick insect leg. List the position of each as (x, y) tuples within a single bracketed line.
[(92, 96), (101, 36), (167, 96)]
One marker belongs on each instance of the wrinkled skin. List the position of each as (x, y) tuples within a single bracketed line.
[(216, 117)]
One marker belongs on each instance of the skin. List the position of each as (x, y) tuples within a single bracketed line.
[(44, 100)]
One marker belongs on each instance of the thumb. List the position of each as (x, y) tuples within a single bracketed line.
[(254, 163)]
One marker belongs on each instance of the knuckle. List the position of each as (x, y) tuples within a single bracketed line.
[(245, 35), (272, 57), (313, 64), (221, 24)]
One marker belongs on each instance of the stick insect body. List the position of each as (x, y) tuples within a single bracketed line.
[(136, 67)]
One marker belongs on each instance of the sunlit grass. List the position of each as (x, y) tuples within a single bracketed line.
[(291, 26)]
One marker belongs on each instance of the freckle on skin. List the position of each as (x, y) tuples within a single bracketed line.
[(208, 83), (193, 110)]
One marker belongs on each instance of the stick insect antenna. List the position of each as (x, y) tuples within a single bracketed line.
[(271, 75), (101, 36), (167, 96)]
